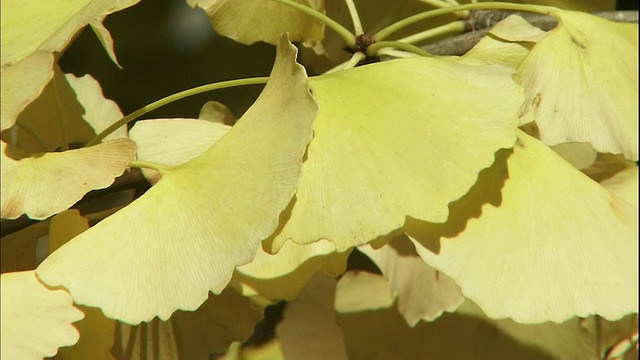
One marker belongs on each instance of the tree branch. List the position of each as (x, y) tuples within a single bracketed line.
[(480, 22)]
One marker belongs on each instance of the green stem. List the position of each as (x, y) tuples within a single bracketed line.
[(348, 37), (384, 33), (172, 98), (355, 17), (373, 49), (455, 26), (437, 3), (149, 165), (351, 63)]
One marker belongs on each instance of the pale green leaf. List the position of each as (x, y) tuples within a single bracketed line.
[(184, 236), (423, 293), (44, 185), (549, 245), (582, 85), (248, 21), (36, 320), (396, 139)]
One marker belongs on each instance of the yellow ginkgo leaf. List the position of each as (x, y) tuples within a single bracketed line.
[(508, 43), (173, 141), (183, 237), (218, 113), (581, 5), (624, 184), (52, 122), (423, 293), (580, 155), (221, 320), (42, 186), (22, 82), (18, 249), (550, 245), (582, 85), (372, 163), (380, 332), (308, 329), (283, 275), (99, 112), (36, 321), (49, 25), (248, 21)]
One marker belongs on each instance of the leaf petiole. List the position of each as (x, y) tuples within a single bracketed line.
[(373, 49), (172, 98), (351, 63), (149, 165), (455, 26), (355, 17), (348, 37), (384, 33)]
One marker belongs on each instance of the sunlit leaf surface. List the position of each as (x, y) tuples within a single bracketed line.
[(550, 245), (283, 275), (380, 154), (508, 43), (248, 21), (423, 293), (173, 141), (48, 25), (580, 155), (582, 85), (99, 112), (53, 182), (184, 236), (625, 185), (36, 321)]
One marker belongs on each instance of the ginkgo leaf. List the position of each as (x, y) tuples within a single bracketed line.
[(221, 320), (174, 141), (423, 293), (582, 5), (48, 25), (99, 112), (36, 321), (48, 184), (18, 249), (582, 85), (380, 332), (576, 338), (183, 237), (308, 329), (624, 184), (371, 163), (508, 43), (216, 112), (105, 38), (283, 275), (22, 82), (248, 21), (53, 121), (549, 245), (580, 155)]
